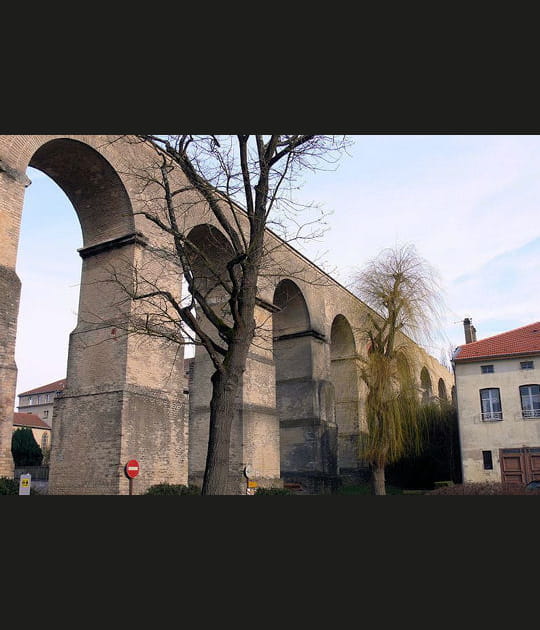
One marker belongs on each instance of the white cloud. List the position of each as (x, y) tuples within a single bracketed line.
[(470, 205), (460, 209)]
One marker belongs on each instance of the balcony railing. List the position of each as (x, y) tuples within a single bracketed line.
[(491, 416), (530, 413)]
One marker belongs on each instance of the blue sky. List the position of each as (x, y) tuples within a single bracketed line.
[(469, 203)]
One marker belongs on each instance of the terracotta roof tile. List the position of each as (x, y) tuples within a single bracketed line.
[(44, 389), (524, 340), (29, 420)]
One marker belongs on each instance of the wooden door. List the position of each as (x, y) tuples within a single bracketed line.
[(532, 463), (512, 466), (520, 465)]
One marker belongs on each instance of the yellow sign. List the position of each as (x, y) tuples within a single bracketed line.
[(253, 484), (24, 484)]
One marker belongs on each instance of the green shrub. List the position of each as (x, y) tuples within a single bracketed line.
[(440, 454), (273, 491), (8, 486), (172, 489), (24, 448)]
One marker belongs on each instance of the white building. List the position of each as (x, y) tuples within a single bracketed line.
[(497, 382)]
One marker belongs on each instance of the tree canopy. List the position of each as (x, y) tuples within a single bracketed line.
[(403, 292)]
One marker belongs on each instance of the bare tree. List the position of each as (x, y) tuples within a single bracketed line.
[(245, 184), (403, 291)]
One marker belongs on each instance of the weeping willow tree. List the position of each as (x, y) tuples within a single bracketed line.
[(403, 292)]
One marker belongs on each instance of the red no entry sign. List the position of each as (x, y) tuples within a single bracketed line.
[(132, 468)]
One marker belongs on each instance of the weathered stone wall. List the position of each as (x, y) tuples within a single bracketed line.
[(12, 186)]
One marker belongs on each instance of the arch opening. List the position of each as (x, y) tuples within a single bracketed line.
[(297, 395), (443, 394), (209, 251), (291, 325), (92, 185), (50, 272), (426, 385)]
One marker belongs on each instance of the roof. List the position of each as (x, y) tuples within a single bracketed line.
[(29, 420), (45, 389), (520, 341)]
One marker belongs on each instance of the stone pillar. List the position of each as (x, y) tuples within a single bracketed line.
[(344, 376), (9, 307), (306, 407), (124, 395), (12, 187)]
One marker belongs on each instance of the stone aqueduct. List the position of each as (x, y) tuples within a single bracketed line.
[(300, 411)]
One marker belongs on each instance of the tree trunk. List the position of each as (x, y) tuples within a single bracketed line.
[(378, 479), (222, 408)]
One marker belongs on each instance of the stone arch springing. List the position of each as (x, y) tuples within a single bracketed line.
[(343, 375)]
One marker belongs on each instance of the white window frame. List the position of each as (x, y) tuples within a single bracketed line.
[(489, 414), (532, 410)]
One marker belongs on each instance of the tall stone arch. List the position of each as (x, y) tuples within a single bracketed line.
[(426, 385), (255, 429), (442, 391), (305, 397), (122, 398)]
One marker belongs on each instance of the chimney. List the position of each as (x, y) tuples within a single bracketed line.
[(470, 331)]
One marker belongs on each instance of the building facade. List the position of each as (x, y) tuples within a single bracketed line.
[(497, 382), (40, 400)]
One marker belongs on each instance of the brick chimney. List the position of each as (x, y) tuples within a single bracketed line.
[(470, 331)]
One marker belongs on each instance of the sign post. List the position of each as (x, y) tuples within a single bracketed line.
[(25, 482), (252, 486), (132, 469)]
